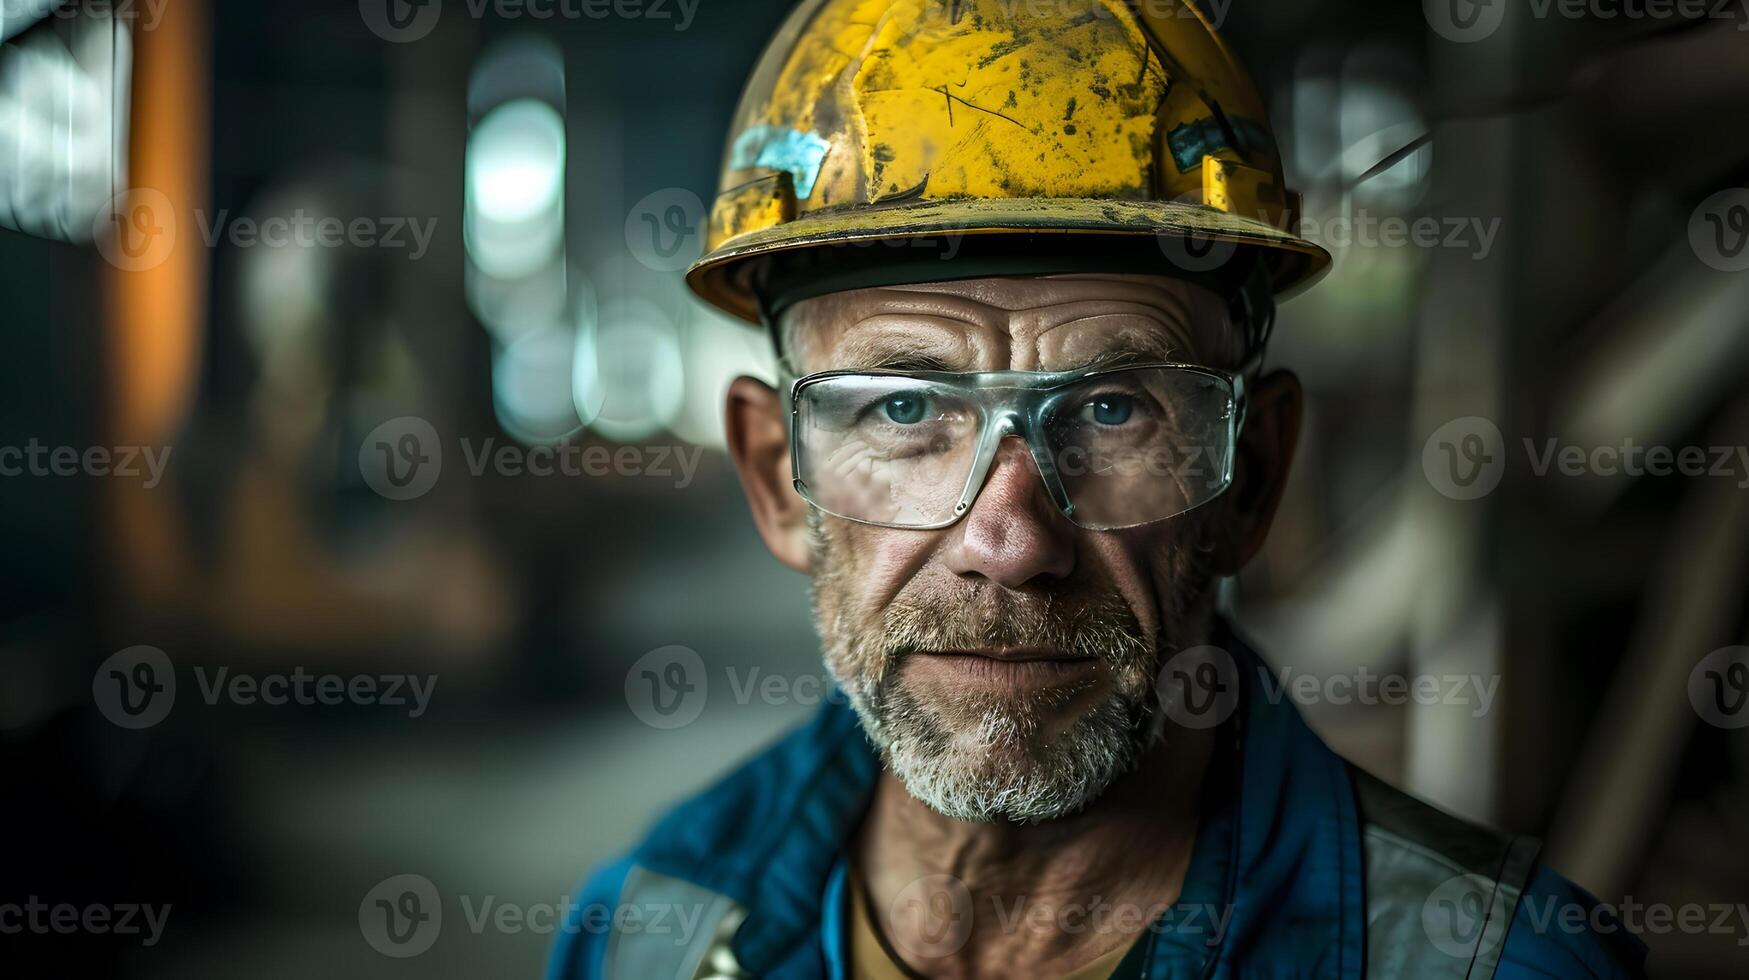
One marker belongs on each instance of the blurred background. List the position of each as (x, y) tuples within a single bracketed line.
[(346, 344)]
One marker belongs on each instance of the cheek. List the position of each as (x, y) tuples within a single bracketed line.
[(1144, 566), (880, 561)]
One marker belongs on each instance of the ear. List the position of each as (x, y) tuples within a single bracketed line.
[(1264, 455), (758, 436)]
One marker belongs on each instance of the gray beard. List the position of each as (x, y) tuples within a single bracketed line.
[(1006, 773), (981, 757)]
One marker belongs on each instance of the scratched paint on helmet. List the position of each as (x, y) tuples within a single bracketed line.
[(988, 99), (879, 119)]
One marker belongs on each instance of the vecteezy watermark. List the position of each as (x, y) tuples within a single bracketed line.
[(124, 462), (934, 916), (669, 686), (402, 458), (942, 244), (1193, 251), (137, 230), (1362, 229), (1365, 687), (136, 688), (305, 230), (1455, 916), (404, 21), (665, 231), (402, 917), (38, 917), (1464, 21), (1718, 231), (1201, 687), (1718, 688), (1461, 917), (1628, 459), (1214, 10), (676, 463), (143, 15), (1465, 459)]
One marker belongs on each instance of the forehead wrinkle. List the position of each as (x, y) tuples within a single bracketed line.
[(1021, 293), (884, 337), (1140, 334), (928, 302), (820, 318)]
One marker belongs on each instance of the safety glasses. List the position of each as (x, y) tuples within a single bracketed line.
[(1116, 447)]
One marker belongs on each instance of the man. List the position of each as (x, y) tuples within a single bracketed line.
[(1020, 259)]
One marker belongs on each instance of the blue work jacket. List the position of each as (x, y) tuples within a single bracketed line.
[(1317, 870)]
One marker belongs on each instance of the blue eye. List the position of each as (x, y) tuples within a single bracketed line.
[(1113, 409), (905, 409)]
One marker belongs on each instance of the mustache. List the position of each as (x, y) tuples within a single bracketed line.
[(1094, 626)]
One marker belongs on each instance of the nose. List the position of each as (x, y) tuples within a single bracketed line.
[(1013, 534)]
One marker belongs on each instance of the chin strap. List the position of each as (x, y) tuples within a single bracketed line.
[(1253, 310)]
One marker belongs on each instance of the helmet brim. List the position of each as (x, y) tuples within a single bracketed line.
[(728, 277)]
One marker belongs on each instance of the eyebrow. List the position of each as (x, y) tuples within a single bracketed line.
[(878, 352), (895, 354), (1128, 356), (910, 362)]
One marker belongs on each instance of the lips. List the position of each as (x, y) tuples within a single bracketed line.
[(1005, 667)]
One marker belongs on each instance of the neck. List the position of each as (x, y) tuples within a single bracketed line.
[(1055, 895)]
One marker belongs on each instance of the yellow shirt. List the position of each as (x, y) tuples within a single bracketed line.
[(871, 960)]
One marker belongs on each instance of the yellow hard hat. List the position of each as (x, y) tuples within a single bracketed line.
[(1034, 135)]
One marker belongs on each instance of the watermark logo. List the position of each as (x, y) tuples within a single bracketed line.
[(1718, 231), (135, 230), (402, 458), (1464, 21), (400, 21), (1465, 458), (135, 688), (667, 687), (1191, 251), (932, 916), (1199, 687), (1455, 916), (402, 916), (665, 230), (1718, 688)]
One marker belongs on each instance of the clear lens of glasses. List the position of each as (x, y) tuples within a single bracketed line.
[(1115, 448)]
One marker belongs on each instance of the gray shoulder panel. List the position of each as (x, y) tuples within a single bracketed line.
[(1440, 892), (669, 929)]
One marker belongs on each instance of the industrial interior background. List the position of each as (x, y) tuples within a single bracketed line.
[(513, 280)]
